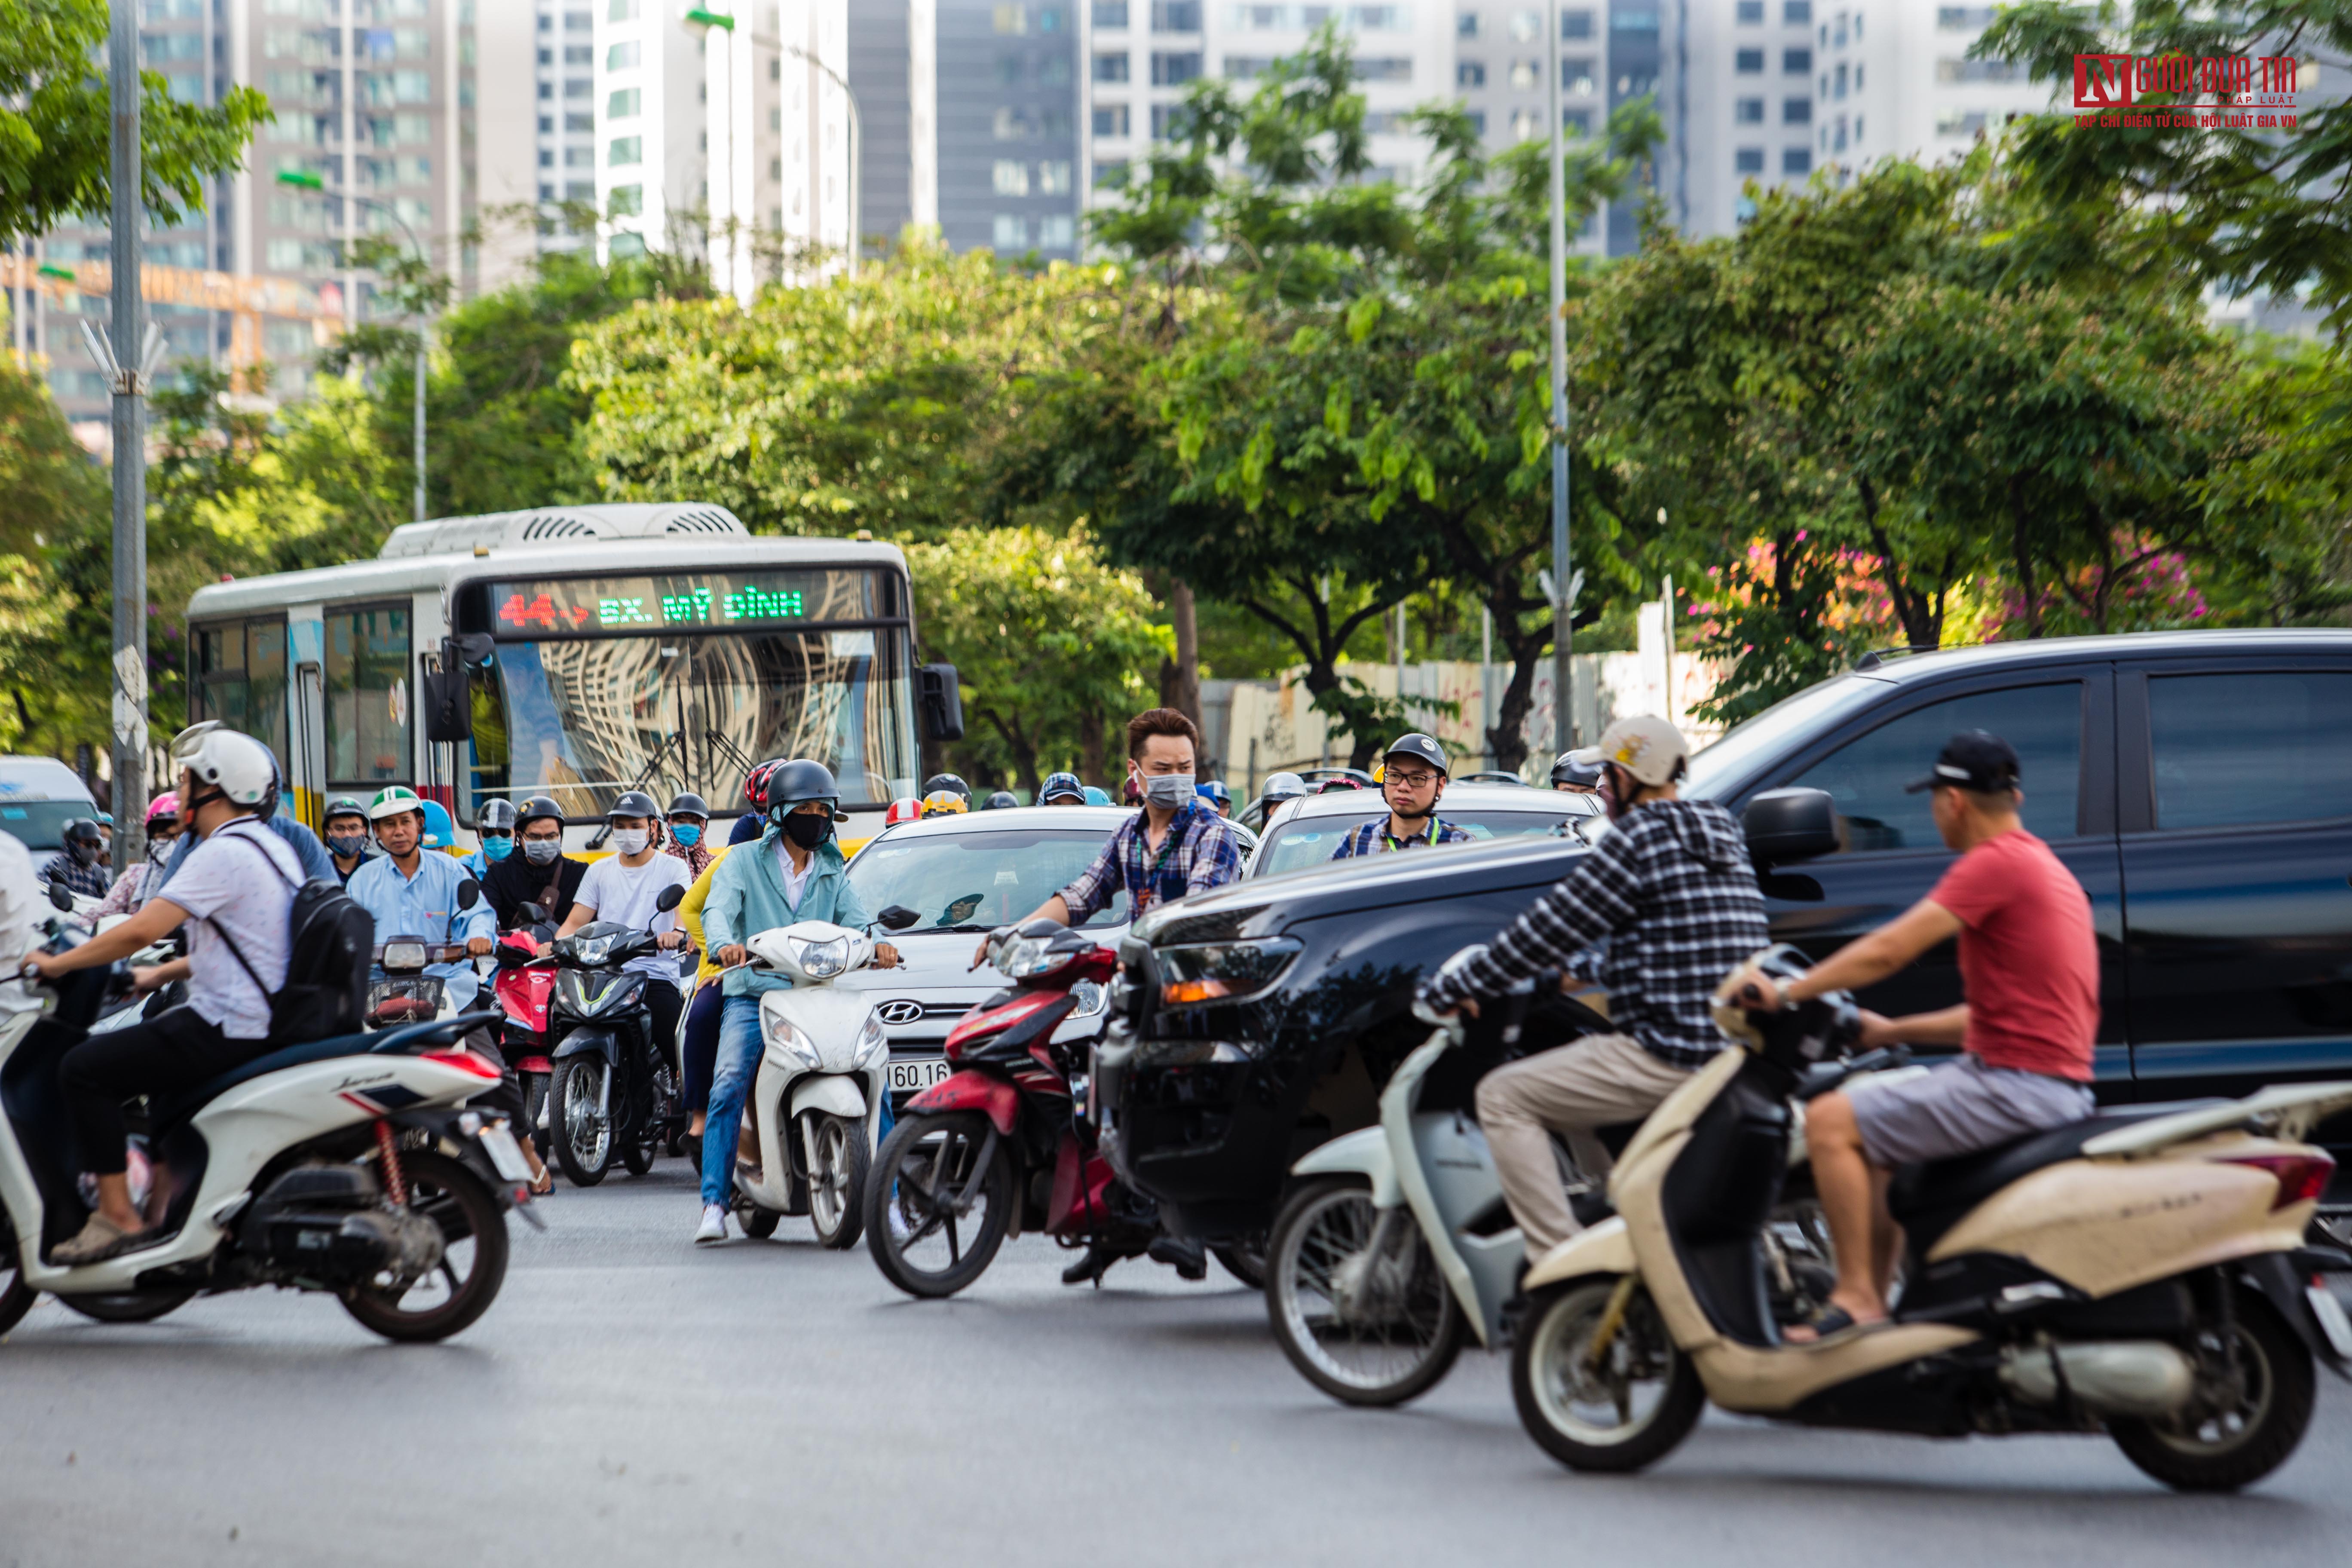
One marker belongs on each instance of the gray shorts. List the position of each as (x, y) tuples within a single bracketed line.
[(1957, 1107)]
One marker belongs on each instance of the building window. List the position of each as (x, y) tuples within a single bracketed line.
[(1012, 232), (546, 89), (619, 11), (1011, 20), (1054, 179), (579, 53), (1748, 161), (1796, 13), (1478, 121), (626, 149), (1014, 125), (1793, 110), (1576, 122), (1465, 25), (628, 201), (547, 125), (1247, 68), (1748, 111), (1110, 68), (1961, 18), (1796, 62), (1575, 77), (1058, 231), (547, 157), (624, 104), (1469, 73), (1526, 27), (1110, 12), (1750, 13), (1170, 120), (1387, 68), (1749, 62), (1175, 70), (580, 157), (1976, 70), (1110, 120), (1525, 75), (1575, 25), (1796, 161), (1959, 121), (1110, 174), (582, 88), (1839, 90), (1175, 16), (1012, 177), (624, 55), (579, 122)]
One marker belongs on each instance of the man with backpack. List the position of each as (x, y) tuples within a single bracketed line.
[(235, 890)]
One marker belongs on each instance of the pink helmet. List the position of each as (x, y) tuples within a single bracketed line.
[(164, 805)]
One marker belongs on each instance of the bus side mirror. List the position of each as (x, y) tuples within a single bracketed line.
[(449, 706), (1787, 825), (941, 701)]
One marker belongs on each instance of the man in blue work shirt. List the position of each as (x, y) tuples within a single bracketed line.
[(412, 893)]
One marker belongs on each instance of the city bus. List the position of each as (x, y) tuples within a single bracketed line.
[(577, 652)]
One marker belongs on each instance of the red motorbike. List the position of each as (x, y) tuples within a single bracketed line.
[(999, 1146), (523, 995)]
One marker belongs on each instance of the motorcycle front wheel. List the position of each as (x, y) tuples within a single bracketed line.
[(582, 1140), (837, 1165), (641, 1142), (938, 1203), (1616, 1409), (472, 1264), (1366, 1329), (1244, 1258)]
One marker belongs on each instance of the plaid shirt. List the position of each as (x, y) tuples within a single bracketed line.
[(1671, 893), (90, 882), (1372, 838), (1201, 851)]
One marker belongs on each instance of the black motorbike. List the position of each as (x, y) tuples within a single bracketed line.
[(615, 1091)]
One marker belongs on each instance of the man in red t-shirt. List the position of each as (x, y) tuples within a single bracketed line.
[(2030, 972)]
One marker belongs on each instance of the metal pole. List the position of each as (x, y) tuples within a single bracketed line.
[(130, 706), (1563, 694)]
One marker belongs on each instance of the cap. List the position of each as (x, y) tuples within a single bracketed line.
[(1644, 744), (1974, 760), (1061, 786), (1420, 748)]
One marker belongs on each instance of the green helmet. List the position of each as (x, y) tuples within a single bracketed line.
[(393, 800)]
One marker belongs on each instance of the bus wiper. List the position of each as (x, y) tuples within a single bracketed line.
[(645, 776)]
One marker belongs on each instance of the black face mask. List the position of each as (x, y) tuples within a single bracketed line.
[(808, 829)]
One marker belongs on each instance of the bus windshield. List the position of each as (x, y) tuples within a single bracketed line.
[(582, 718)]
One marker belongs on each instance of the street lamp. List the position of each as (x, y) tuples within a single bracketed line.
[(1563, 678), (699, 17), (302, 180)]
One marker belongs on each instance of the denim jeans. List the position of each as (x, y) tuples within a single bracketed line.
[(730, 1085)]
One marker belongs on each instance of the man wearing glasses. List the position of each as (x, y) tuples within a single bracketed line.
[(1412, 781)]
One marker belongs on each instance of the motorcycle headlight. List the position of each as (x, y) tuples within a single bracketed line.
[(1222, 971), (593, 949), (796, 1044), (872, 1043), (822, 960), (1091, 998), (403, 955)]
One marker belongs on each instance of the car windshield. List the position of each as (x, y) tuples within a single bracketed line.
[(40, 825), (1309, 841), (977, 881), (1726, 764)]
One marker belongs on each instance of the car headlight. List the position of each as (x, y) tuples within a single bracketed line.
[(1091, 997), (1222, 971), (873, 1042), (797, 1045), (822, 960), (1189, 1053)]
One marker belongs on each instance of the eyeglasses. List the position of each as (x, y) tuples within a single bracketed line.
[(497, 833), (1410, 780)]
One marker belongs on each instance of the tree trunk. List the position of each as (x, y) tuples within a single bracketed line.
[(2024, 562), (1509, 739), (1094, 756), (1187, 696)]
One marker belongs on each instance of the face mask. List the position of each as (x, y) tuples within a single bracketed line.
[(160, 848), (808, 829), (349, 846), (629, 840), (496, 847), (85, 852), (540, 851), (1168, 791), (687, 833)]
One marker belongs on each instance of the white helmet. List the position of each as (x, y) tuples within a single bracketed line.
[(239, 766)]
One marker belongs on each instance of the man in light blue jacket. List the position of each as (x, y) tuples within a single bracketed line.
[(796, 872)]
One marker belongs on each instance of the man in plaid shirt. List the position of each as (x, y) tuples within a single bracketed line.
[(1671, 893), (1412, 781)]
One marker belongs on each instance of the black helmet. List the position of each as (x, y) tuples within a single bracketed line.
[(797, 783), (949, 782), (349, 805), (496, 817), (1568, 771), (633, 803), (83, 839), (999, 800), (537, 807), (688, 803), (1062, 787), (1420, 748)]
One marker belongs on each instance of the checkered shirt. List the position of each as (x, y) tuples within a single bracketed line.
[(90, 882), (1670, 891), (1372, 838), (1202, 851)]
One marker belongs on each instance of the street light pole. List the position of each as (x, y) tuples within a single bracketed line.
[(699, 18), (1563, 690), (309, 181), (128, 797)]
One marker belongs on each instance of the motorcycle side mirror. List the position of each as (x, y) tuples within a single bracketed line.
[(529, 915), (1787, 825), (61, 895), (671, 897), (469, 893), (897, 916)]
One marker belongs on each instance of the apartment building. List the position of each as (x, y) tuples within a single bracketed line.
[(563, 109), (648, 95), (1742, 112)]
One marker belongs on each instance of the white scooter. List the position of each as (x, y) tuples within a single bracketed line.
[(350, 1165), (819, 1098)]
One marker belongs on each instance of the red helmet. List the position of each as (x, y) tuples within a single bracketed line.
[(755, 783), (907, 808)]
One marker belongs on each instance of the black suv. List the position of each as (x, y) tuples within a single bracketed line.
[(2199, 786)]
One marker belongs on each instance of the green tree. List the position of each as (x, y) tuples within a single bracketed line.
[(53, 549), (55, 123)]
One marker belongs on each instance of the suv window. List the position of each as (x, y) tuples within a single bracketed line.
[(2234, 749), (1865, 776)]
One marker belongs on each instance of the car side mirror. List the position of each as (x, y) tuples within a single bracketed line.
[(671, 897), (469, 893), (897, 916), (1789, 825), (61, 895)]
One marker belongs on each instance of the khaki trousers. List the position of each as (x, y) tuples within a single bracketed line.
[(1600, 1080)]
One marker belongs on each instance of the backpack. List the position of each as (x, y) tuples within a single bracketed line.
[(329, 948)]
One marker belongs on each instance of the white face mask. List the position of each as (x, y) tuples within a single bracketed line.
[(630, 840)]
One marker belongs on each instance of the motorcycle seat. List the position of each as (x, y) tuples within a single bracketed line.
[(168, 1116)]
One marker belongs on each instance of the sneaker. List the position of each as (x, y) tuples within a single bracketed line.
[(713, 1227)]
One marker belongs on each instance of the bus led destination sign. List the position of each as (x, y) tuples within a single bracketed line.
[(742, 601)]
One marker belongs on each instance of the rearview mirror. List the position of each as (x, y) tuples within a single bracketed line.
[(671, 897), (469, 893), (897, 916), (529, 915), (1787, 824), (61, 895)]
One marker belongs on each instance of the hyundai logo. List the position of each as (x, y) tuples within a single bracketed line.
[(901, 1012)]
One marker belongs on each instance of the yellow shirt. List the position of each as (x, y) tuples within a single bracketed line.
[(689, 914)]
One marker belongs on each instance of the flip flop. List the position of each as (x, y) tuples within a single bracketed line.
[(1827, 1324)]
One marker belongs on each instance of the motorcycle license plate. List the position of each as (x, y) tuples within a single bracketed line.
[(913, 1078), (505, 1154)]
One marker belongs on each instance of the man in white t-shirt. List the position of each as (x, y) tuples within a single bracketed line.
[(22, 905), (622, 889), (237, 887)]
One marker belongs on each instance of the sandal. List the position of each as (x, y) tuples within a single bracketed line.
[(543, 1185), (1827, 1324)]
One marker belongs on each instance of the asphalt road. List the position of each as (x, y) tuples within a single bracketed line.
[(631, 1400)]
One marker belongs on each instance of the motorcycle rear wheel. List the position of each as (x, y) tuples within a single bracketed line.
[(583, 1143), (1568, 1406), (128, 1306), (759, 1224), (1401, 1356), (2237, 1447), (837, 1173), (454, 1198), (925, 1159)]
